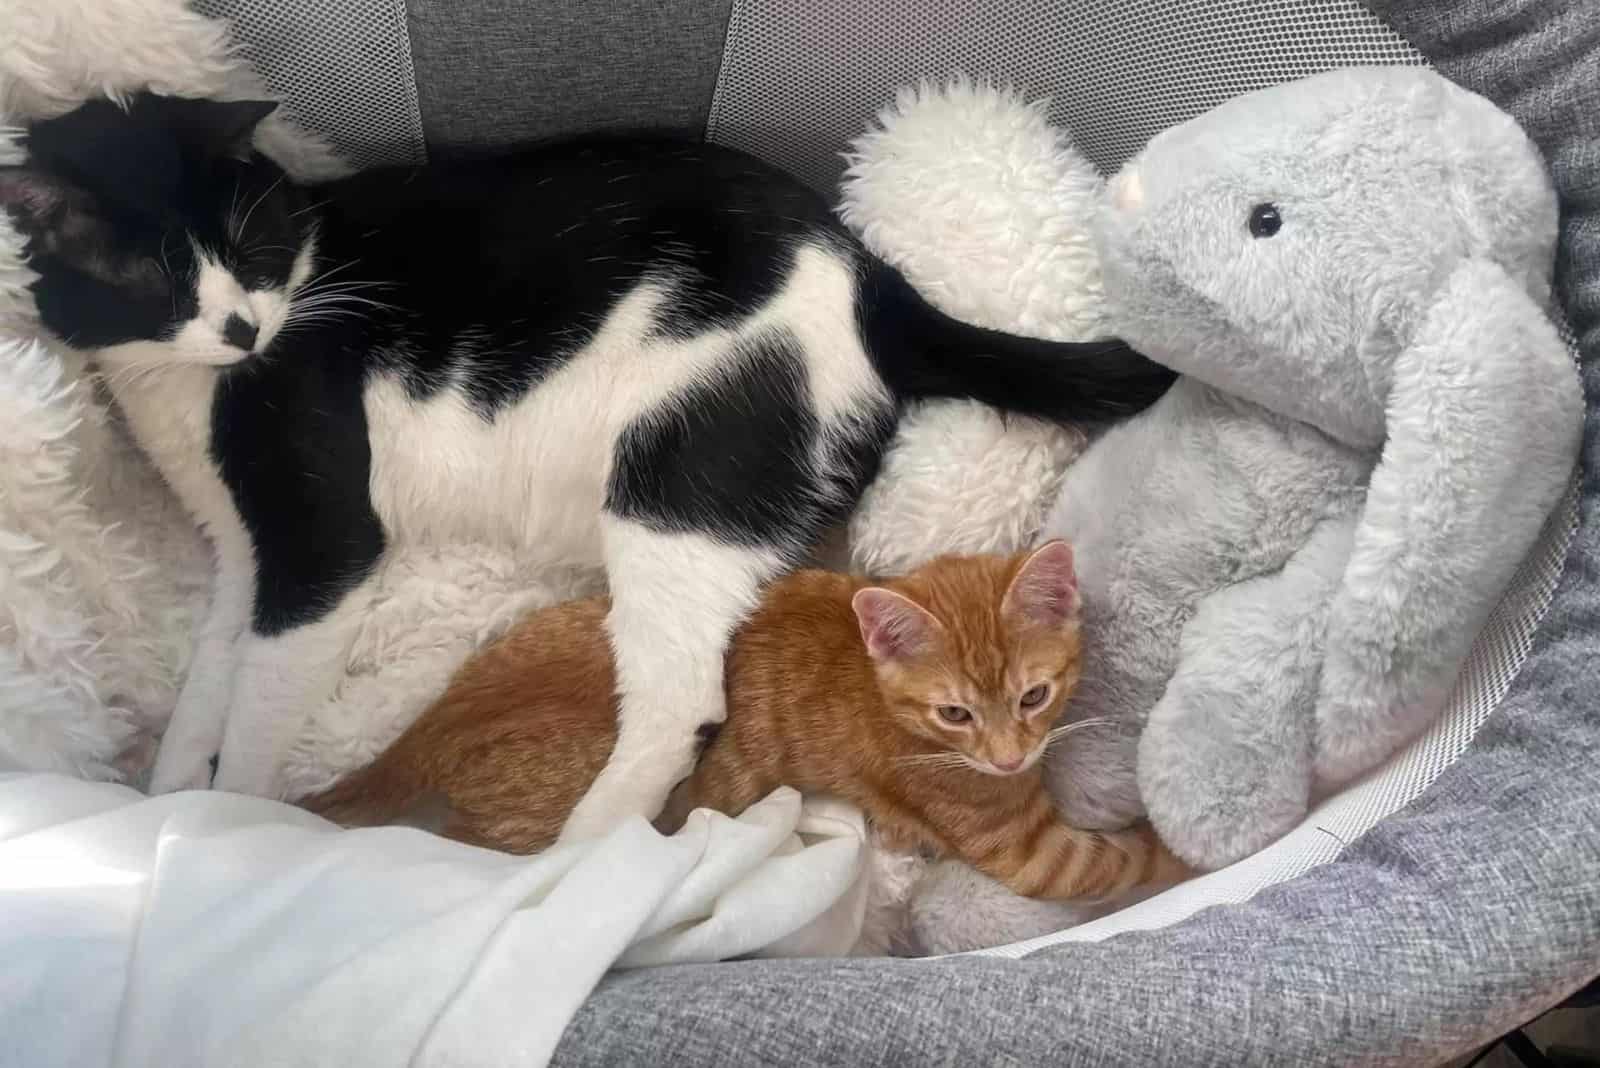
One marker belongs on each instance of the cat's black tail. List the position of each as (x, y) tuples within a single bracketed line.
[(921, 352)]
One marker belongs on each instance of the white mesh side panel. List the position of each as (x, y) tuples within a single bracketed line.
[(343, 70), (799, 80)]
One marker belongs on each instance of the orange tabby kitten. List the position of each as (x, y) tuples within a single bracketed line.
[(926, 700)]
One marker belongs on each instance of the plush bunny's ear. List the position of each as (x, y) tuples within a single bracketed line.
[(1044, 591), (893, 626), (1484, 418)]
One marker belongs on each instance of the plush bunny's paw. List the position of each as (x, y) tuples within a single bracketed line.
[(955, 909), (1212, 795)]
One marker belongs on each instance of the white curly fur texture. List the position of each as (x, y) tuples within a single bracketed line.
[(102, 575), (964, 187), (92, 628), (969, 190)]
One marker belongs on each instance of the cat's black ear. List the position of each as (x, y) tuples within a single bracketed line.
[(29, 196), (57, 216), (111, 153), (39, 203), (208, 128)]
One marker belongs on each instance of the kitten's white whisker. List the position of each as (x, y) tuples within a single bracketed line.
[(1065, 729), (933, 760)]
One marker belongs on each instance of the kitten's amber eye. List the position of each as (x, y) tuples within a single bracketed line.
[(954, 714), (1035, 697)]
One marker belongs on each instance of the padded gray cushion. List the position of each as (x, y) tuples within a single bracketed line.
[(492, 72), (1467, 913)]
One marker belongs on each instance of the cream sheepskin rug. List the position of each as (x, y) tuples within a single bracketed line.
[(102, 577)]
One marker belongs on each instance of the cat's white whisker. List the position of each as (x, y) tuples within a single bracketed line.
[(265, 194)]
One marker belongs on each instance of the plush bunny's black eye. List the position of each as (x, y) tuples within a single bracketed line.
[(1265, 220)]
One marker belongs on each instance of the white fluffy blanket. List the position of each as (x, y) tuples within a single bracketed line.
[(102, 577), (210, 928)]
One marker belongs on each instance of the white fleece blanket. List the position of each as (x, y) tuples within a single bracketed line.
[(211, 928)]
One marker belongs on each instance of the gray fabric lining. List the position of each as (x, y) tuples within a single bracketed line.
[(1469, 911), (491, 73)]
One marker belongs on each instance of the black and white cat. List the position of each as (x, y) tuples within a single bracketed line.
[(664, 357)]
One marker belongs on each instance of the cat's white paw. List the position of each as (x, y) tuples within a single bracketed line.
[(256, 778), (590, 821), (180, 770), (624, 789)]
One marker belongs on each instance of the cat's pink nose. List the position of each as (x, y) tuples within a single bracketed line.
[(1009, 765)]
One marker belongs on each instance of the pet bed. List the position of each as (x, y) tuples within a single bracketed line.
[(1448, 898)]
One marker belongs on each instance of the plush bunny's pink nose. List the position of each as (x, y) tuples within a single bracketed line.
[(1127, 191)]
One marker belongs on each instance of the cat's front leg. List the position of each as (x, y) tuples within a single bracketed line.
[(281, 676), (676, 598), (194, 731)]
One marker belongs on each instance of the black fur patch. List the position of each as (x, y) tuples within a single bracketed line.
[(921, 352), (497, 272), (731, 458), (290, 438)]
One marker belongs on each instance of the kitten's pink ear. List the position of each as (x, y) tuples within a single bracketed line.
[(1044, 590), (893, 625)]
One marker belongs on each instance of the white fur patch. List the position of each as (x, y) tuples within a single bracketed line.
[(168, 410)]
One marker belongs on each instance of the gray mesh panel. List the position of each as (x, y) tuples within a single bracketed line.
[(343, 70), (799, 80)]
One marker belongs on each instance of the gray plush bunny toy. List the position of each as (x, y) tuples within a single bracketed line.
[(1284, 562)]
